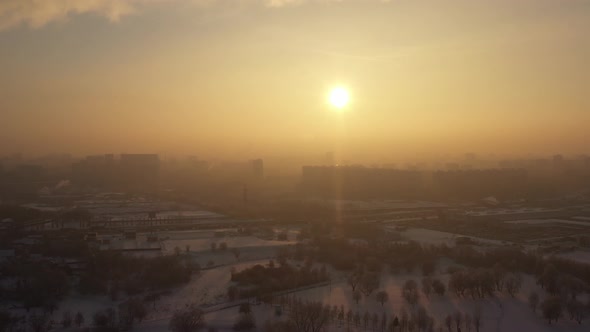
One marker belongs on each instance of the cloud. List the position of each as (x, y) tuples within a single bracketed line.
[(38, 13)]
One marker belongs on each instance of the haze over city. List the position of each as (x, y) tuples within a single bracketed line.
[(239, 78), (294, 165)]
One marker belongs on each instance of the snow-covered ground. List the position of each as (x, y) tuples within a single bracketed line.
[(501, 313), (87, 305), (206, 288), (209, 288), (201, 241), (429, 236), (199, 244), (549, 221), (166, 214), (582, 256)]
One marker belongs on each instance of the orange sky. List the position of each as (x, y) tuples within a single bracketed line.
[(250, 78)]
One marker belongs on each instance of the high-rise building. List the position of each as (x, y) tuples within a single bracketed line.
[(98, 171), (357, 182), (140, 171), (478, 184)]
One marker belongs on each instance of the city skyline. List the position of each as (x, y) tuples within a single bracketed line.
[(294, 165)]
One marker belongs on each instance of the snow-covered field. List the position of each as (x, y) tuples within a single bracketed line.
[(501, 313), (549, 221), (582, 256), (201, 241), (383, 204), (167, 214), (209, 288), (428, 236), (206, 288), (199, 244)]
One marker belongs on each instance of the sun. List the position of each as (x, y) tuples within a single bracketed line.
[(339, 97)]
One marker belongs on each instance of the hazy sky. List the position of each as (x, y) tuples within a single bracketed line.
[(250, 78)]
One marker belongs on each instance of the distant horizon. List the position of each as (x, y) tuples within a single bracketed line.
[(321, 159)]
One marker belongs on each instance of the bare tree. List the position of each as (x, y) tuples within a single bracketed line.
[(572, 286), (236, 253), (552, 308), (39, 323), (448, 322), (382, 297), (410, 292), (79, 319), (404, 319), (498, 273), (468, 322), (130, 311), (356, 296), (357, 319), (458, 317), (7, 321), (534, 301), (411, 324), (548, 280), (66, 319), (369, 283), (245, 322), (576, 309), (309, 316), (334, 314), (375, 322), (430, 325), (245, 308), (427, 286), (104, 318), (512, 284), (341, 314), (422, 318), (477, 311), (233, 292), (188, 320), (396, 322), (366, 318), (280, 326), (354, 279), (349, 317), (438, 287)]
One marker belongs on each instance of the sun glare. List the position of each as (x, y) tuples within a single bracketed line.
[(339, 97)]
